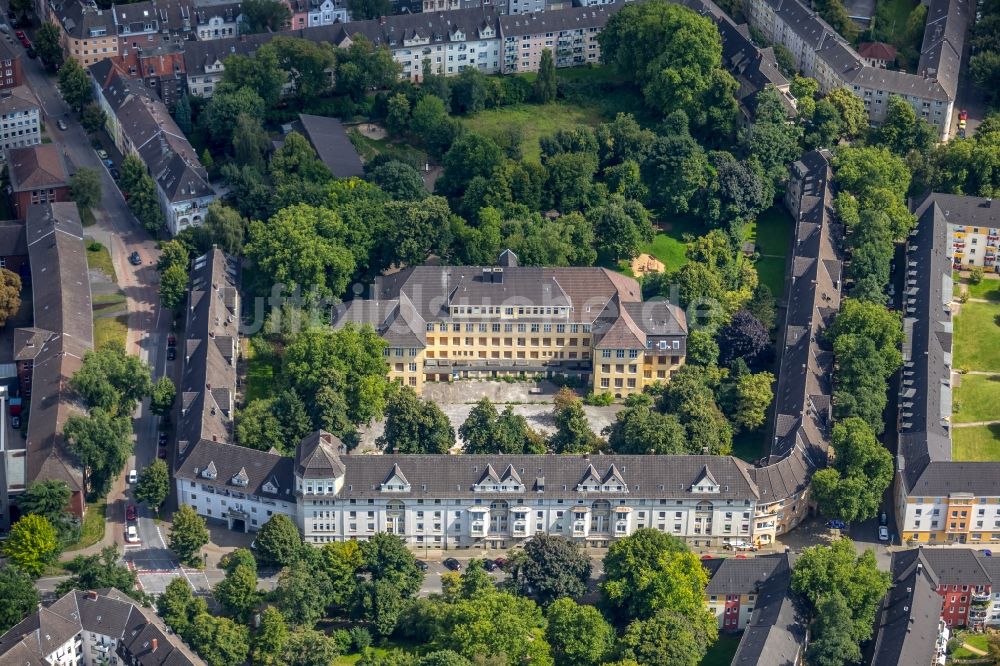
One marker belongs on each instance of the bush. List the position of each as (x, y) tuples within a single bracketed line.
[(599, 399), (976, 275), (361, 638), (342, 637)]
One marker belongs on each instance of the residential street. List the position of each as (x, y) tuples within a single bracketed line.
[(117, 229)]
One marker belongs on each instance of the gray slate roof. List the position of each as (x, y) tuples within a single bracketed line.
[(62, 308), (208, 381), (776, 632), (329, 138), (906, 627), (925, 393), (742, 576), (107, 612)]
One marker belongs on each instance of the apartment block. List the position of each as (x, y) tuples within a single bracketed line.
[(443, 323), (140, 125), (467, 501), (20, 118), (11, 75), (940, 500), (217, 20), (824, 55), (88, 34), (38, 175), (88, 628), (570, 34)]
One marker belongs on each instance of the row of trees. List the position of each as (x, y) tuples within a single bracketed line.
[(653, 597)]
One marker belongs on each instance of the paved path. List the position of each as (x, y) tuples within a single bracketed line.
[(974, 423), (974, 650)]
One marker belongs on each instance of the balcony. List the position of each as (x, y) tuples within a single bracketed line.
[(478, 528), (580, 528), (980, 600), (621, 528)]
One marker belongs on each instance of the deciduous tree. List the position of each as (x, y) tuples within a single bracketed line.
[(669, 638), (153, 485), (74, 84), (270, 639), (640, 429), (95, 572), (552, 567), (851, 490), (237, 592), (188, 534), (10, 295), (20, 598), (278, 541), (85, 187), (385, 557), (103, 443), (48, 44), (573, 433), (832, 641), (578, 634), (265, 16), (32, 544), (413, 425), (545, 83)]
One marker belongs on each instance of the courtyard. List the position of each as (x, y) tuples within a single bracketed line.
[(976, 381)]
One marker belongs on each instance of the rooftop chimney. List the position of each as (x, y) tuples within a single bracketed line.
[(155, 644)]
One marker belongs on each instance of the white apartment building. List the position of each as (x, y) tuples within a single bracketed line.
[(20, 119), (326, 12), (824, 55), (446, 502), (87, 628), (217, 20)]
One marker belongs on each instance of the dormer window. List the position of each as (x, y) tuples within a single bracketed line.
[(210, 472), (241, 478), (395, 481), (269, 487)]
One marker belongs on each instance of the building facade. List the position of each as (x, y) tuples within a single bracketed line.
[(38, 175), (88, 628), (824, 55), (88, 34), (570, 34), (446, 502), (20, 118), (458, 322), (938, 499)]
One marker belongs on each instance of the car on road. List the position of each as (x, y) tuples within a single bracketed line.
[(171, 341), (132, 477), (883, 519), (19, 34), (489, 565), (31, 52), (162, 439), (135, 259), (61, 124), (108, 163), (131, 534), (162, 453), (15, 422), (103, 154), (452, 564), (836, 525), (4, 28), (114, 173), (131, 512), (422, 565), (171, 353), (883, 533)]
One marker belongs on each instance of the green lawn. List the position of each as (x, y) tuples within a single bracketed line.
[(261, 369), (975, 640), (722, 651), (749, 446), (110, 318), (99, 258), (369, 148), (977, 337), (772, 235), (987, 289), (533, 121), (977, 443), (977, 399), (668, 245), (93, 526)]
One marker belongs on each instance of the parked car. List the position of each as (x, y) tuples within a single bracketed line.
[(131, 534), (883, 519), (103, 154), (836, 525), (883, 533), (162, 439), (31, 52), (171, 353), (135, 259), (19, 34), (171, 341), (61, 124), (452, 564), (4, 28), (422, 565), (114, 173), (501, 563), (132, 477), (15, 422), (489, 565), (162, 454), (963, 115), (131, 512), (108, 163)]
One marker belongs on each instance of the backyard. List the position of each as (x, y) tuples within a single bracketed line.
[(772, 233), (722, 651), (976, 389)]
